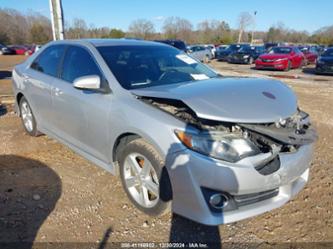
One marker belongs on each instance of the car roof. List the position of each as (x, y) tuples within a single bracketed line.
[(112, 42)]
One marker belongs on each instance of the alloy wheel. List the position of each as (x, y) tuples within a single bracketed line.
[(27, 116), (141, 180)]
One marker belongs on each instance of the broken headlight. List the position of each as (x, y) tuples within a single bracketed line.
[(227, 147)]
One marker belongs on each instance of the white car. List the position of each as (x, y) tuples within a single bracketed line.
[(200, 52), (212, 49)]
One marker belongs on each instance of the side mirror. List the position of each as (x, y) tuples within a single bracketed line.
[(189, 51), (89, 82)]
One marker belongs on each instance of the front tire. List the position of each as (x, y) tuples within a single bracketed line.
[(288, 66), (28, 118), (144, 177), (206, 59)]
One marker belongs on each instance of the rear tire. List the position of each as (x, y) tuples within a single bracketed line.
[(206, 59), (144, 177), (28, 118)]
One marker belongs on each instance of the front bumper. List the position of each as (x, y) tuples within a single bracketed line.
[(222, 57), (190, 172), (324, 68), (276, 65), (239, 60)]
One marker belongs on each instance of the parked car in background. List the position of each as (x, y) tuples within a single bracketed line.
[(200, 52), (325, 62), (223, 55), (22, 49), (219, 49), (179, 44), (246, 55), (213, 149), (310, 53), (6, 50), (281, 58), (212, 49)]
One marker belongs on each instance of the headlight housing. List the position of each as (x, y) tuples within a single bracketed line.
[(227, 147), (246, 56)]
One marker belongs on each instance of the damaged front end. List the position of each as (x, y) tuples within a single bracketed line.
[(258, 144)]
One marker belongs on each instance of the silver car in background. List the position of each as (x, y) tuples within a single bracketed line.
[(200, 52), (218, 149), (212, 49)]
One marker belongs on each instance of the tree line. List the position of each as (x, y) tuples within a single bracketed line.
[(34, 28)]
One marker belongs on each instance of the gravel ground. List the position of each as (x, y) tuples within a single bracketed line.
[(50, 194)]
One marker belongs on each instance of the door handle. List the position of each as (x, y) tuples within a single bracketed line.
[(57, 91), (25, 78)]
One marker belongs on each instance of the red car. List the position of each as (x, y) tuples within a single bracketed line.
[(281, 58), (23, 50), (310, 53)]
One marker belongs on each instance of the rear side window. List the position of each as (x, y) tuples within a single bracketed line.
[(48, 61), (77, 63)]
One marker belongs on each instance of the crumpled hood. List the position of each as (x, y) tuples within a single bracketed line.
[(245, 100)]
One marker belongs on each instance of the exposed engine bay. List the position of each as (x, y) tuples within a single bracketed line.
[(271, 138)]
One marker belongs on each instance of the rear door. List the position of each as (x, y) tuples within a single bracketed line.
[(38, 78), (81, 116)]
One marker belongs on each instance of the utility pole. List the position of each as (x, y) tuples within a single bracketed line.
[(52, 21), (254, 26), (57, 19)]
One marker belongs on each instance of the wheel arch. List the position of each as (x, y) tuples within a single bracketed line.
[(166, 191), (121, 141), (18, 98)]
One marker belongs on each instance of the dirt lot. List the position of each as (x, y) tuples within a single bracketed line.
[(50, 194)]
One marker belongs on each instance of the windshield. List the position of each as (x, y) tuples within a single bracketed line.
[(220, 48), (180, 45), (280, 50), (147, 66), (246, 49), (328, 52), (304, 49)]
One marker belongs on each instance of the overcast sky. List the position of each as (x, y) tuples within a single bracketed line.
[(295, 14)]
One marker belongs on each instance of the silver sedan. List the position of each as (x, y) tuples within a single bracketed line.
[(180, 136)]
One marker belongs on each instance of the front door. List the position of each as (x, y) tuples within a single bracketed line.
[(81, 116)]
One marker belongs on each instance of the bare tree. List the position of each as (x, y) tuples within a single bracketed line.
[(177, 28), (78, 29), (141, 28), (213, 31), (245, 19), (17, 28)]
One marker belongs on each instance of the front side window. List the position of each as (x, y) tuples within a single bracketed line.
[(48, 61), (147, 66), (77, 63)]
